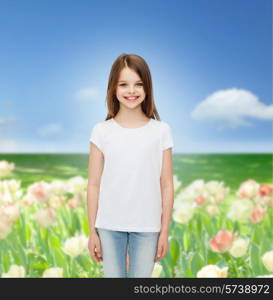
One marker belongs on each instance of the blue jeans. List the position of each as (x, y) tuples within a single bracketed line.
[(141, 247)]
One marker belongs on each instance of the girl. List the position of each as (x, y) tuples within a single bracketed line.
[(130, 179)]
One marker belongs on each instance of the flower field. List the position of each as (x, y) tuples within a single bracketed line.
[(222, 222)]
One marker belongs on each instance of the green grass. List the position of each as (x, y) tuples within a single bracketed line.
[(230, 168), (189, 250)]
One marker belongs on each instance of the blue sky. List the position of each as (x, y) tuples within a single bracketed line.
[(211, 65)]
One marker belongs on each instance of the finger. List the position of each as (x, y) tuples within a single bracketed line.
[(158, 254), (164, 252), (157, 258), (93, 253), (160, 250), (95, 257), (98, 253), (98, 258)]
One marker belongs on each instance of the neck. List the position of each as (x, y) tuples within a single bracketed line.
[(130, 115)]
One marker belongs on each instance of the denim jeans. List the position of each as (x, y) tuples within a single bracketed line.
[(141, 247)]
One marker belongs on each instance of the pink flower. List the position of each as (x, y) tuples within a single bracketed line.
[(257, 214), (56, 201), (219, 197), (73, 203), (40, 191), (45, 217), (268, 200), (222, 242), (200, 200), (265, 190)]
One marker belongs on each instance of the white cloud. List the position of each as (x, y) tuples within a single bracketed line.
[(232, 106), (4, 121), (24, 146), (86, 94), (7, 102), (49, 130), (8, 145), (204, 146)]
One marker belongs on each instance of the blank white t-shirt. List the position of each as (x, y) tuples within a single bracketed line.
[(130, 194)]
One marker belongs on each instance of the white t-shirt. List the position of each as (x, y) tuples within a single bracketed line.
[(130, 194)]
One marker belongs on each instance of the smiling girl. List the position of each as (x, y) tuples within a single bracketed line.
[(130, 175)]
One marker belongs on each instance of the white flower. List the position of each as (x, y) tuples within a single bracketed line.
[(212, 271), (217, 189), (212, 210), (191, 192), (56, 201), (53, 273), (248, 189), (58, 187), (10, 191), (13, 185), (40, 191), (197, 186), (183, 196), (6, 198), (15, 271), (241, 210), (184, 212), (239, 247), (157, 270), (75, 246), (176, 182), (6, 168), (28, 199), (5, 228), (45, 217), (76, 184), (267, 260), (11, 211)]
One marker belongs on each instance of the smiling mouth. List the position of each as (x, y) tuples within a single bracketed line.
[(131, 98)]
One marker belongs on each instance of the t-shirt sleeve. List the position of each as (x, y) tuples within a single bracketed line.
[(167, 137), (96, 136)]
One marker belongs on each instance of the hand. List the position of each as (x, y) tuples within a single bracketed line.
[(162, 246), (94, 246)]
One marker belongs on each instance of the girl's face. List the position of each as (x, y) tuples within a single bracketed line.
[(130, 85)]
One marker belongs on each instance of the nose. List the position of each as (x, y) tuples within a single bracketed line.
[(132, 89)]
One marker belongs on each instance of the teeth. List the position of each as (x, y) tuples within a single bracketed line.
[(131, 98)]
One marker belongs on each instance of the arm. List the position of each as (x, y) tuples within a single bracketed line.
[(95, 168), (167, 192)]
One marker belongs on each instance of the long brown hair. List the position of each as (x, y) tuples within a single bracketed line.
[(139, 65)]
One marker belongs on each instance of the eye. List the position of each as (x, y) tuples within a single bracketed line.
[(122, 84)]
